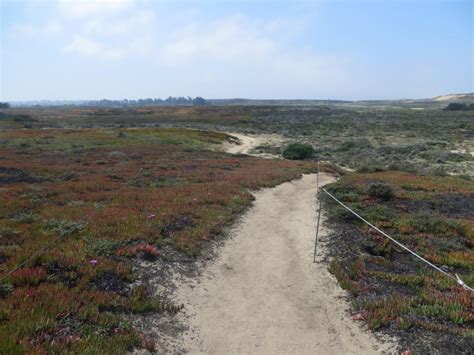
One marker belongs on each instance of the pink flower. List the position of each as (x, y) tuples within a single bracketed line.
[(151, 216), (93, 261)]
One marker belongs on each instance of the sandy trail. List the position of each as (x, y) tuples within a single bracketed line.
[(264, 295), (247, 143)]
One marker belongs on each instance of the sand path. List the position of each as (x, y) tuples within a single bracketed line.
[(262, 293)]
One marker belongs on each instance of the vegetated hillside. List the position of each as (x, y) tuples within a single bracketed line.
[(80, 207), (8, 120), (391, 289), (366, 139)]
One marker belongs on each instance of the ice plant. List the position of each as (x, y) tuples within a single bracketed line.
[(69, 291), (147, 249), (31, 276)]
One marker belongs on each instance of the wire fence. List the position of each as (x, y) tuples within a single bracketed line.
[(453, 277)]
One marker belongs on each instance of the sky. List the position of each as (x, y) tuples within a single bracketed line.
[(320, 49)]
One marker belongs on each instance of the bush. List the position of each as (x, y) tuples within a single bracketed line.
[(345, 192), (459, 106), (380, 190), (355, 144), (298, 151)]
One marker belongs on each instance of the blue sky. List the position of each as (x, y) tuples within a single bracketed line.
[(377, 49)]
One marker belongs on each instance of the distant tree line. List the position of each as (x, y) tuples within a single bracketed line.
[(458, 106), (197, 101)]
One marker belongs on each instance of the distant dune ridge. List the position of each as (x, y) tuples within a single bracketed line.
[(456, 97)]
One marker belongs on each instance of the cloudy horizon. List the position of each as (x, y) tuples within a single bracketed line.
[(116, 49)]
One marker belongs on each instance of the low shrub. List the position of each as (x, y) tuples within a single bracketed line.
[(378, 213), (298, 151), (345, 192), (355, 144), (380, 190)]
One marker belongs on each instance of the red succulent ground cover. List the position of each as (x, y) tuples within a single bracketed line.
[(150, 251), (103, 197), (392, 290)]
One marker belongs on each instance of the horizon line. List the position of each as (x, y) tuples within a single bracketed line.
[(240, 98)]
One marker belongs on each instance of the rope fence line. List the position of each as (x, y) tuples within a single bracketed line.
[(55, 240), (454, 277), (317, 226)]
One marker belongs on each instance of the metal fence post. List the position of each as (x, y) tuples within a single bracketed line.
[(317, 229)]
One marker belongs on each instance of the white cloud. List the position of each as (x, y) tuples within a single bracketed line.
[(235, 55), (244, 56), (88, 47), (52, 28), (86, 8), (232, 38), (25, 29), (113, 35), (123, 25)]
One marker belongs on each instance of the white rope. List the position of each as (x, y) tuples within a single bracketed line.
[(456, 278)]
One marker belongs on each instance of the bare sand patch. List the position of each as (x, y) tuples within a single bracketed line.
[(246, 143), (449, 97)]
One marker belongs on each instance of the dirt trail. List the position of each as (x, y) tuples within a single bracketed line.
[(264, 295), (261, 293)]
